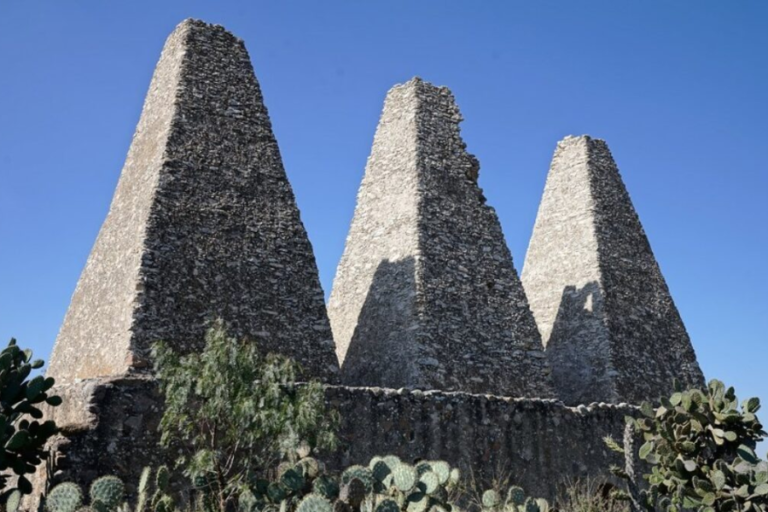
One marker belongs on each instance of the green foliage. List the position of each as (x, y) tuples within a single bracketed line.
[(701, 449), (232, 411), (22, 436)]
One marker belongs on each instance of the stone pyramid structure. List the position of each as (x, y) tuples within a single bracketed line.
[(426, 294), (203, 225), (611, 330)]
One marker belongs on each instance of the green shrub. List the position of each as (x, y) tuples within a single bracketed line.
[(22, 436), (232, 411), (700, 447)]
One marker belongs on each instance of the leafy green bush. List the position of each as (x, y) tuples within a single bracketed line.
[(232, 412), (701, 450), (22, 436)]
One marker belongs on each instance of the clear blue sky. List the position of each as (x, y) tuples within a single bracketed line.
[(678, 89)]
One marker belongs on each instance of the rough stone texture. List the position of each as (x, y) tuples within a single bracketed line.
[(203, 224), (541, 442), (611, 330), (426, 294)]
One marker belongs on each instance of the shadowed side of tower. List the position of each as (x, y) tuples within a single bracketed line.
[(611, 330), (203, 225), (426, 294)]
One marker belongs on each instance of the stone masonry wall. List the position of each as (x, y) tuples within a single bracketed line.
[(541, 443), (426, 294), (611, 329), (203, 224)]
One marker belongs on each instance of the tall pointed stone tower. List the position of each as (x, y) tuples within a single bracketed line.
[(203, 225), (611, 330), (426, 294)]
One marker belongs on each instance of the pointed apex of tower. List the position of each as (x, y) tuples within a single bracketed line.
[(610, 327), (426, 294), (203, 225)]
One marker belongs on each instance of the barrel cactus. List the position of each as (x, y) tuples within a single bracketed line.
[(65, 497)]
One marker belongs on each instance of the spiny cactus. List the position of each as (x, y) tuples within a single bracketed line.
[(515, 501), (143, 489), (13, 501), (108, 490), (292, 479), (276, 493), (516, 495), (314, 503), (431, 482), (361, 473), (353, 492), (326, 486), (387, 505), (491, 499), (65, 497), (311, 467), (386, 484), (404, 477)]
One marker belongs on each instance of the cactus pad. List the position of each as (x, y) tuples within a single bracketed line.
[(109, 490), (326, 487), (353, 493), (442, 469), (13, 501), (387, 505), (516, 495), (292, 479), (431, 482), (404, 477), (491, 498), (361, 473), (417, 502), (66, 497)]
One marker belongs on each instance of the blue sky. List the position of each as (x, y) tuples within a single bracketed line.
[(678, 89)]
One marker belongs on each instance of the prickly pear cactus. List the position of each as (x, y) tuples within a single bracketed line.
[(65, 497), (361, 473), (516, 495), (314, 503), (13, 501), (108, 490), (292, 479), (404, 477), (491, 499), (326, 487)]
